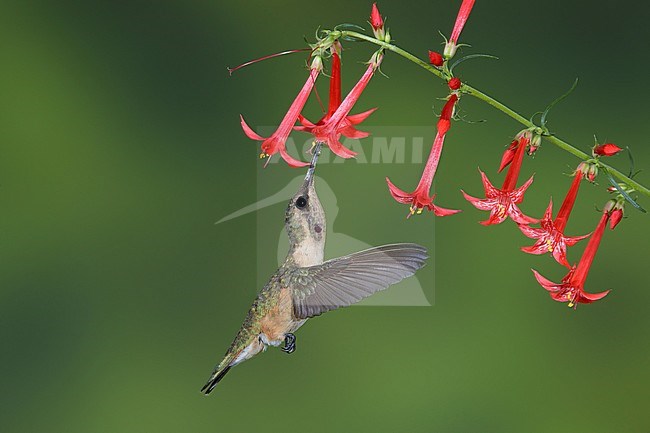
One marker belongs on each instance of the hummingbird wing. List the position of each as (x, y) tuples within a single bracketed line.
[(346, 280)]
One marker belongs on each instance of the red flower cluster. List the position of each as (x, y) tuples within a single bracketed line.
[(571, 289), (337, 120), (550, 238), (501, 203)]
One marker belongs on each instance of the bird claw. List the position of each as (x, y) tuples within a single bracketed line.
[(289, 343)]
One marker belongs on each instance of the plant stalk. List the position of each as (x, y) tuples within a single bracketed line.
[(469, 90)]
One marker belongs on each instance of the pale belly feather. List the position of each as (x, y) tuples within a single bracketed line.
[(279, 321)]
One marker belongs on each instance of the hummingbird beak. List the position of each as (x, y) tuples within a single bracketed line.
[(309, 179)]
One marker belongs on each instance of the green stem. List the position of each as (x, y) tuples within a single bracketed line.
[(499, 106)]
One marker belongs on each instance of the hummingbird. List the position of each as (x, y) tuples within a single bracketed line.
[(306, 286)]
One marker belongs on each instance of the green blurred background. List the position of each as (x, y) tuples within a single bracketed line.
[(120, 147)]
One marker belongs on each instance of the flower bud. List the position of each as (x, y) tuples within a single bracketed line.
[(454, 83), (436, 59), (444, 122), (377, 22), (607, 149), (615, 218)]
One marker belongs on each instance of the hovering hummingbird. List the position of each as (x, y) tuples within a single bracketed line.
[(305, 286)]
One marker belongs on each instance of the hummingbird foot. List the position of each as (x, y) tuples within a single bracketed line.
[(289, 343)]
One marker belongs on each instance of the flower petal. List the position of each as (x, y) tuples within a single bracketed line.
[(560, 295), (518, 194), (496, 217), (591, 297), (538, 249), (545, 283), (548, 214), (481, 204), (351, 132), (291, 161), (398, 194), (441, 211), (517, 216), (531, 232), (305, 122), (355, 119), (571, 241), (248, 131), (339, 150), (559, 254), (490, 190)]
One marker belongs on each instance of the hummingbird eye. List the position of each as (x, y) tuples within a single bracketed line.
[(301, 202)]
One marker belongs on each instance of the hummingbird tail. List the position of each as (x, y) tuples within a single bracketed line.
[(215, 378)]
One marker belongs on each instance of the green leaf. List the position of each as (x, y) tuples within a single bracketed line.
[(623, 193), (552, 104), (348, 26), (629, 155), (471, 56)]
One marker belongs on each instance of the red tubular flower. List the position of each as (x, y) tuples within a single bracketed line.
[(339, 122), (347, 128), (334, 97), (502, 203), (436, 59), (607, 149), (461, 19), (571, 289), (277, 141), (420, 199), (617, 216), (615, 209), (562, 217), (550, 236)]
